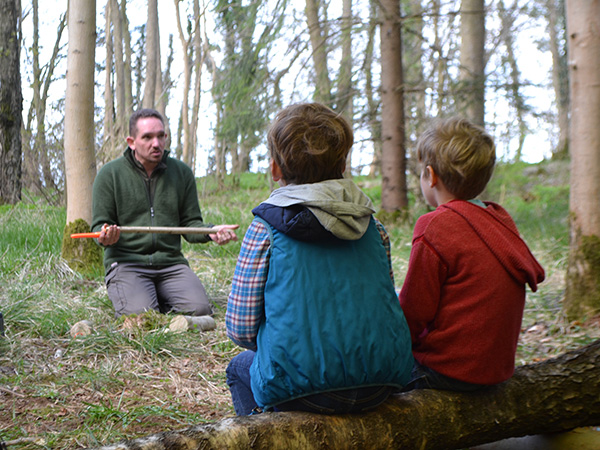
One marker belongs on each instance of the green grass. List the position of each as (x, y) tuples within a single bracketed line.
[(126, 381)]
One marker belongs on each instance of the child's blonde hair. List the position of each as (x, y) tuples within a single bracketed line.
[(461, 154), (310, 143)]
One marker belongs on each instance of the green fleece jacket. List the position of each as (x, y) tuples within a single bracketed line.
[(124, 195)]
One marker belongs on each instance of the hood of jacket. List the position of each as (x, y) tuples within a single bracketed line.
[(317, 210), (498, 232)]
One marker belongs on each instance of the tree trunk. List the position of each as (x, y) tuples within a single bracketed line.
[(552, 396), (121, 131), (318, 41), (373, 121), (187, 81), (472, 60), (80, 163), (582, 295), (394, 196), (345, 98), (128, 66), (11, 103), (109, 141), (152, 64), (31, 177), (560, 79), (507, 17)]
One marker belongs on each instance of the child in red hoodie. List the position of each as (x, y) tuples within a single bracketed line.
[(464, 292)]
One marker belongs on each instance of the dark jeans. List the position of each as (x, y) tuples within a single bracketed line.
[(333, 402), (423, 377)]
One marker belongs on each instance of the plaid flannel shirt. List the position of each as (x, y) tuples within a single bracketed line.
[(245, 307)]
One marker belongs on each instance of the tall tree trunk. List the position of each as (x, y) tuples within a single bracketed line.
[(128, 66), (187, 82), (560, 75), (31, 177), (11, 102), (344, 101), (109, 141), (80, 163), (394, 196), (318, 41), (152, 63), (373, 121), (472, 60), (121, 122), (552, 396), (198, 63), (507, 18), (582, 295), (36, 154)]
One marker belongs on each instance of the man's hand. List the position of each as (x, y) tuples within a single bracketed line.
[(109, 235), (224, 234)]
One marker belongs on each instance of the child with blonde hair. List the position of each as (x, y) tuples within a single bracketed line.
[(464, 292)]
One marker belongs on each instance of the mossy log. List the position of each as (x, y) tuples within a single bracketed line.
[(556, 395)]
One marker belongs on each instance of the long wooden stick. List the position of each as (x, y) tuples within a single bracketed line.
[(156, 230)]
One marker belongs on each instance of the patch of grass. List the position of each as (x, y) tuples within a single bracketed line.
[(126, 381)]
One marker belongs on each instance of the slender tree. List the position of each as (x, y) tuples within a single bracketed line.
[(560, 74), (319, 39), (192, 75), (394, 196), (344, 102), (507, 17), (80, 163), (40, 170), (11, 102), (583, 273), (472, 60), (152, 58)]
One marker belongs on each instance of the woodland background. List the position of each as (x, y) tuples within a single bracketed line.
[(228, 67)]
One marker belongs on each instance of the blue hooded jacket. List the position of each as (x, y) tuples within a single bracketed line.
[(332, 317)]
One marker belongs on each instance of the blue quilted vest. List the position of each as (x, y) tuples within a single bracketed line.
[(332, 320)]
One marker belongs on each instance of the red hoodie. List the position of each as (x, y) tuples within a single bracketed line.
[(464, 292)]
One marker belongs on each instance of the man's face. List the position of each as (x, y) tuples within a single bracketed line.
[(149, 142)]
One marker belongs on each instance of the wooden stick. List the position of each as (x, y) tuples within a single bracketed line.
[(155, 230)]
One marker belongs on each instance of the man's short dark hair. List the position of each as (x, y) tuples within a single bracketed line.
[(143, 114)]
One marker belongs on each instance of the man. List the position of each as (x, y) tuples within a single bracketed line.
[(146, 187)]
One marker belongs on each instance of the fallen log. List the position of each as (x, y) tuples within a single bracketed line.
[(555, 395)]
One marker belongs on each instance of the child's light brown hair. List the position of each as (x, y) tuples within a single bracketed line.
[(310, 142), (461, 154)]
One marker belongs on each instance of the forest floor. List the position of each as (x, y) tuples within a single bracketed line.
[(130, 378)]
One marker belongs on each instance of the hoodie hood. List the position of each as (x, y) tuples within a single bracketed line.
[(498, 232), (339, 206)]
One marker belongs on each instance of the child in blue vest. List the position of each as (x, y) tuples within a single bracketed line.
[(313, 296)]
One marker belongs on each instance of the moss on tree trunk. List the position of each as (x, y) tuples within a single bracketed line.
[(82, 255), (583, 278)]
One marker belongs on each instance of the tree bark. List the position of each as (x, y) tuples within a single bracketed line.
[(345, 96), (560, 77), (472, 60), (318, 41), (11, 103), (80, 162), (152, 64), (121, 131), (372, 112), (394, 196), (552, 396), (582, 295), (507, 17)]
